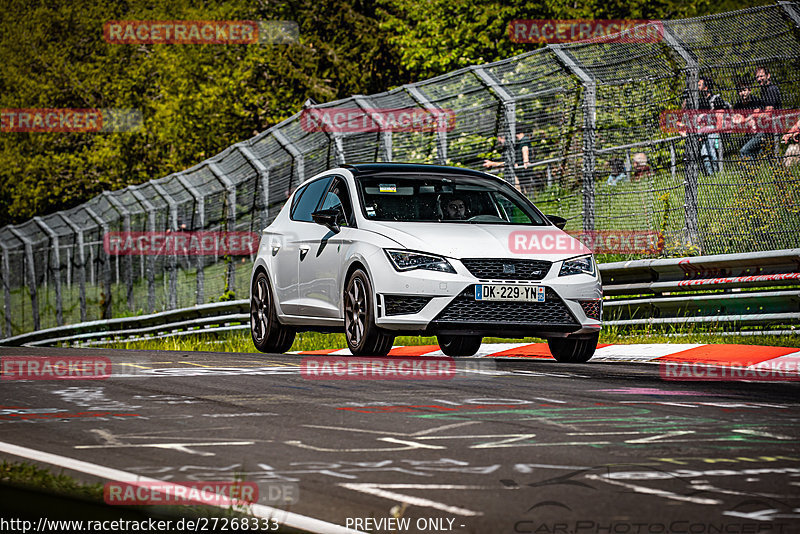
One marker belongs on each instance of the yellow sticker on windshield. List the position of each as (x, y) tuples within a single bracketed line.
[(388, 188)]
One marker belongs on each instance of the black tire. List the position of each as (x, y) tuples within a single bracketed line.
[(268, 334), (459, 345), (364, 337), (573, 350)]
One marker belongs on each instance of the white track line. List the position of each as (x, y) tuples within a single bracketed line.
[(289, 519)]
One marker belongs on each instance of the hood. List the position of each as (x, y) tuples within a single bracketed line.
[(464, 240)]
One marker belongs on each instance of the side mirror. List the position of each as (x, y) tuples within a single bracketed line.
[(329, 218), (560, 222)]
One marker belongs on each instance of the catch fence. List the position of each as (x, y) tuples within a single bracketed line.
[(591, 114)]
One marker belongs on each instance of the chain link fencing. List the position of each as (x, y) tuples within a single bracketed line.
[(590, 114)]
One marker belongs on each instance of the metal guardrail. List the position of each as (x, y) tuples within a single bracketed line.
[(725, 288), (702, 289), (214, 317)]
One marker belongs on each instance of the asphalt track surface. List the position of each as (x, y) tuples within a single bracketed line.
[(534, 447)]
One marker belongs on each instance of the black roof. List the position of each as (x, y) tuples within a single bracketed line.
[(377, 168)]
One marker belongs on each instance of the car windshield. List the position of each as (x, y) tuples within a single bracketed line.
[(454, 199)]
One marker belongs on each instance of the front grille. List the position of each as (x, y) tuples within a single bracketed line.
[(592, 308), (404, 304), (465, 309), (507, 269)]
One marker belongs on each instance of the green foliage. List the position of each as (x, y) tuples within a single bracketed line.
[(198, 99)]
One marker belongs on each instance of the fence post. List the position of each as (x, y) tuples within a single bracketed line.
[(791, 9), (262, 173), (230, 187), (151, 259), (5, 270), (365, 104), (297, 156), (127, 261), (56, 266), (692, 163), (589, 127), (172, 294), (30, 273), (201, 213), (441, 131), (510, 121), (107, 305), (81, 263)]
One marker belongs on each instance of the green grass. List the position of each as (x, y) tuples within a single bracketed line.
[(28, 490), (239, 341), (35, 477)]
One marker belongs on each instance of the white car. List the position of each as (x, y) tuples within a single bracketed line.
[(380, 250)]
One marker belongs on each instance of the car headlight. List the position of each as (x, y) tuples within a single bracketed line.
[(581, 265), (402, 260)]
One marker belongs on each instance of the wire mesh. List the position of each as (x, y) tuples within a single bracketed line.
[(577, 127)]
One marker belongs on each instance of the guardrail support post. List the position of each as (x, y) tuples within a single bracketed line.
[(201, 213), (589, 128), (692, 162), (262, 173), (441, 130), (366, 106), (107, 305), (297, 156), (791, 9), (5, 271), (151, 260), (509, 122), (56, 266), (81, 263), (127, 260), (172, 294), (230, 187), (30, 273)]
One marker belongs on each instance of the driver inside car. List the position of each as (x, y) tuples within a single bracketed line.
[(455, 209)]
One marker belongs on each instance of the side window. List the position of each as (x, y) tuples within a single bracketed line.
[(308, 198), (339, 196)]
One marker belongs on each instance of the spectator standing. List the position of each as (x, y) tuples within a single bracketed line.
[(522, 161), (747, 104), (770, 100), (710, 145)]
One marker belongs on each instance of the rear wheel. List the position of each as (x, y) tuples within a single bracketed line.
[(577, 350), (268, 334), (459, 345), (364, 337)]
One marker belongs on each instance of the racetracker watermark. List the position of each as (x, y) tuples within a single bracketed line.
[(549, 241), (180, 243), (769, 371), (200, 32), (723, 121), (66, 120), (621, 241), (355, 120), (350, 368), (566, 31), (212, 493), (55, 368)]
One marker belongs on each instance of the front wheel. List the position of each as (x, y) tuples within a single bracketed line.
[(269, 335), (573, 350), (459, 345), (364, 337)]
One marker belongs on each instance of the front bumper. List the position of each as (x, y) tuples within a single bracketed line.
[(431, 302)]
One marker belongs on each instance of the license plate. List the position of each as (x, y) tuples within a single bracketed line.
[(509, 292)]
